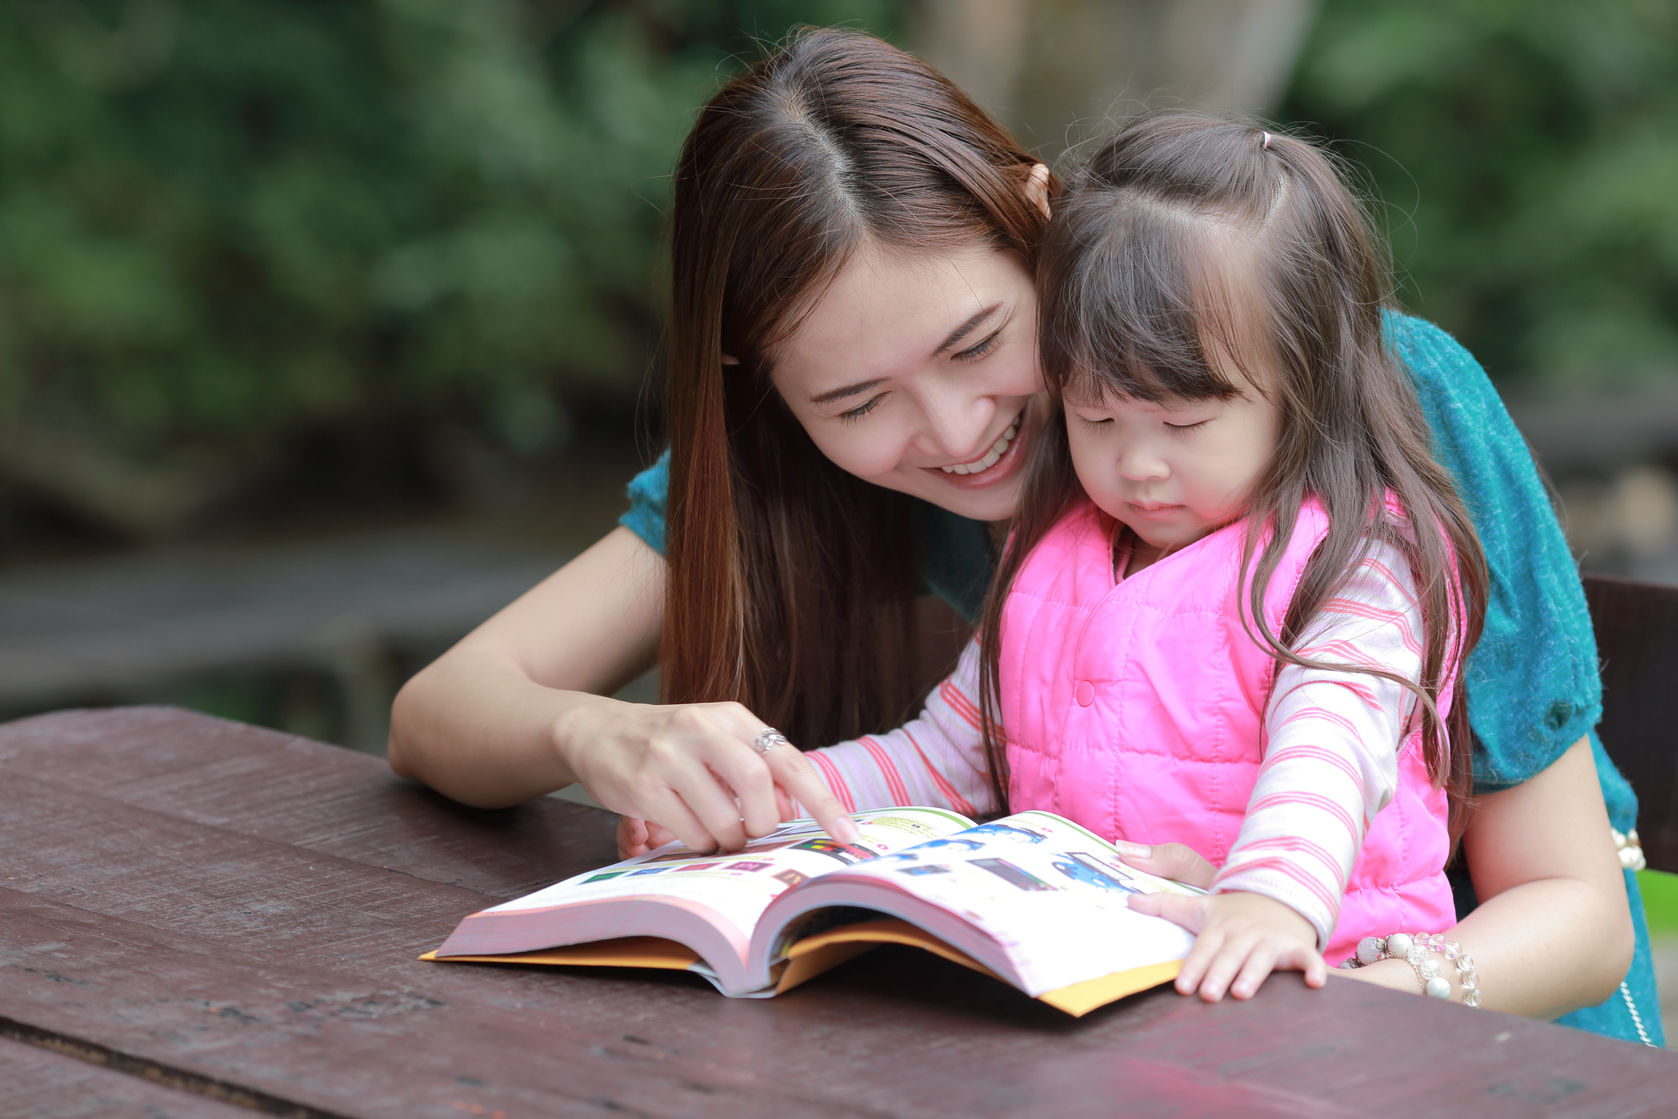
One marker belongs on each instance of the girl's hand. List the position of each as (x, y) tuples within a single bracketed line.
[(694, 770), (1240, 938), (1169, 860), (637, 836)]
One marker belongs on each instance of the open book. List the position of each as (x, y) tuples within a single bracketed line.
[(1033, 899)]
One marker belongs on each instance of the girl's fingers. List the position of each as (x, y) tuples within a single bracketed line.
[(1169, 860), (1189, 912), (1260, 962), (1223, 967), (632, 837)]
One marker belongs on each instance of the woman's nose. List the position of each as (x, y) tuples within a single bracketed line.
[(954, 429)]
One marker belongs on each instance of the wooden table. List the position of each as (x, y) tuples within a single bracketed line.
[(200, 918)]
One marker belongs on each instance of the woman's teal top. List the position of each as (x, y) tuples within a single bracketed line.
[(1533, 684)]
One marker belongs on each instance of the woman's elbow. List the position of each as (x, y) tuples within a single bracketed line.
[(400, 748), (1616, 944)]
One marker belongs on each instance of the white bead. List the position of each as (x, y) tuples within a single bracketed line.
[(1398, 944), (1438, 988), (1369, 950)]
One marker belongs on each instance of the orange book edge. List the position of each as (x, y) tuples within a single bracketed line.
[(1076, 999), (629, 951)]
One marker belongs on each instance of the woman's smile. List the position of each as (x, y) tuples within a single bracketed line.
[(990, 467)]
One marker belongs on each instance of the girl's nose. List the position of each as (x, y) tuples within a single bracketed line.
[(1139, 463)]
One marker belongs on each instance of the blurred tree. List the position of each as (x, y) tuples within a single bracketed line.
[(1526, 154), (224, 223)]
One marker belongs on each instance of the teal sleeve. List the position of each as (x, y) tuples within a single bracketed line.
[(1533, 685), (648, 492)]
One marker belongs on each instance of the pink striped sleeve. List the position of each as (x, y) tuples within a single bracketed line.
[(938, 759), (1331, 758)]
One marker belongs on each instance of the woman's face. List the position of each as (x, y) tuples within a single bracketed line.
[(918, 372)]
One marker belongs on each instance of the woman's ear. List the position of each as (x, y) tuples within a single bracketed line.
[(1037, 187), (728, 360)]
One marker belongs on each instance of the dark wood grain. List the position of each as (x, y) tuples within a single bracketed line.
[(36, 1080), (1636, 627), (237, 907)]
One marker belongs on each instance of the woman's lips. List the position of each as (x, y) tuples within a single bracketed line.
[(994, 465)]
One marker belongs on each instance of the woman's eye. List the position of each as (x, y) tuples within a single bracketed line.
[(861, 410), (979, 349), (1100, 422)]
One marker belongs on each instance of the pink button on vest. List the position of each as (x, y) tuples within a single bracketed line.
[(1136, 708)]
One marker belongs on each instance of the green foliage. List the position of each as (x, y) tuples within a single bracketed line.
[(221, 221), (1525, 151)]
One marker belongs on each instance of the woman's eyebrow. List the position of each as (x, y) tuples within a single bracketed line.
[(849, 390), (964, 329)]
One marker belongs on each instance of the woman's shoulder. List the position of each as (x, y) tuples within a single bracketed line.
[(1439, 364), (649, 493)]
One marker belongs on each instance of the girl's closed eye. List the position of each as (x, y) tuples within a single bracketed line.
[(1182, 428)]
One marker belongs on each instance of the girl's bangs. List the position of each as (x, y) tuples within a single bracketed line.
[(1146, 312)]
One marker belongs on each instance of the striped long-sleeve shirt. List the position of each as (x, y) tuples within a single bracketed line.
[(1331, 762)]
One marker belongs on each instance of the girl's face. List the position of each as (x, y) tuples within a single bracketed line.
[(1175, 471), (918, 372)]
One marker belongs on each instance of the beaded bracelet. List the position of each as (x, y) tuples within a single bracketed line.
[(1413, 950)]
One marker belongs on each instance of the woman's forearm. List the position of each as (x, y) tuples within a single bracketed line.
[(475, 728), (1553, 931), (502, 716)]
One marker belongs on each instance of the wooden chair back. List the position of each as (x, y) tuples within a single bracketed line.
[(1637, 643)]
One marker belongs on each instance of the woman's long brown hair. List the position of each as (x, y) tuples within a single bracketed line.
[(791, 583), (1145, 286)]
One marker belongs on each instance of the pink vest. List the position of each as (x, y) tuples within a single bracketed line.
[(1136, 708)]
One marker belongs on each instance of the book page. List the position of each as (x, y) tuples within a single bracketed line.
[(1032, 896), (728, 891)]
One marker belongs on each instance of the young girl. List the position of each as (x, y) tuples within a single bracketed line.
[(1239, 591)]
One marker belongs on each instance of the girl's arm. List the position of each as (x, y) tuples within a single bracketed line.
[(1552, 932), (936, 760), (519, 708)]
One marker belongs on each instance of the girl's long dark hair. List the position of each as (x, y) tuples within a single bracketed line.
[(1146, 285), (791, 583)]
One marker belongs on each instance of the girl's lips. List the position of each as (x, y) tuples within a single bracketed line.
[(1152, 508), (1004, 468)]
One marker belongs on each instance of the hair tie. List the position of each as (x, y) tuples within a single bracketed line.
[(1267, 141)]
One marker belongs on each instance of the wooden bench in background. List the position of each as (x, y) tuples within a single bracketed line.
[(1637, 643)]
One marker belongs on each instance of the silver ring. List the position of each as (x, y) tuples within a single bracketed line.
[(768, 738)]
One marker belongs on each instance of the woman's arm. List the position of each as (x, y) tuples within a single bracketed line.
[(1552, 932), (519, 708)]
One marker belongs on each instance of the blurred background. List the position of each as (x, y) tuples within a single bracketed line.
[(325, 328)]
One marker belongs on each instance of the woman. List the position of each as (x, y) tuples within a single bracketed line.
[(853, 389)]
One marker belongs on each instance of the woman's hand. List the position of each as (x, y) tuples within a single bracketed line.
[(695, 771), (1239, 939)]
